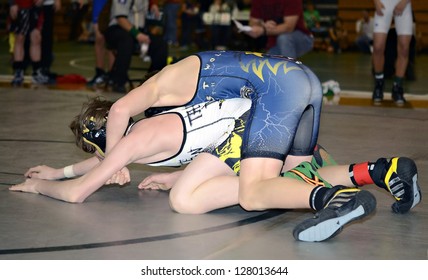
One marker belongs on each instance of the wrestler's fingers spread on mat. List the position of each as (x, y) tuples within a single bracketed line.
[(27, 186), (15, 188), (122, 179), (150, 186), (30, 172), (147, 183)]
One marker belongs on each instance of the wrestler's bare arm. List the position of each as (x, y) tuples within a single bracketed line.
[(49, 173), (77, 190), (174, 85)]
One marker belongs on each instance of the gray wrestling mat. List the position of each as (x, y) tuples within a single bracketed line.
[(128, 224)]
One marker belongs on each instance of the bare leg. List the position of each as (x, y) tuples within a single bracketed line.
[(293, 161), (379, 41), (198, 191), (261, 188), (402, 55), (336, 175), (35, 47), (18, 49)]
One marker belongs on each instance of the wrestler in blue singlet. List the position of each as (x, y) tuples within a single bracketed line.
[(286, 99)]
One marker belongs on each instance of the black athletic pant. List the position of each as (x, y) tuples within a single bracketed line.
[(122, 44), (47, 36)]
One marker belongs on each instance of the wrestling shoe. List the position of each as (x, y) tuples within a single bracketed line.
[(18, 78), (342, 206), (99, 79), (321, 157), (399, 176), (378, 92), (398, 95), (39, 78), (307, 173)]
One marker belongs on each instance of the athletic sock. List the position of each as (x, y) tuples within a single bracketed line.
[(361, 173), (18, 65), (36, 66), (99, 71), (316, 198), (379, 76), (398, 81)]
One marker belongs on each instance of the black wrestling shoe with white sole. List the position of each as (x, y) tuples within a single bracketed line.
[(344, 206)]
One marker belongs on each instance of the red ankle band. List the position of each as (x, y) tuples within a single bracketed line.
[(361, 174)]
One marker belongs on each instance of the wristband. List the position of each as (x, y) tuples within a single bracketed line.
[(68, 172), (134, 32)]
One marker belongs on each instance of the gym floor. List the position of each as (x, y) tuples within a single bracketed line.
[(127, 224)]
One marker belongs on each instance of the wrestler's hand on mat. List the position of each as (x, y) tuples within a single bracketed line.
[(28, 186), (160, 181), (121, 177), (44, 172)]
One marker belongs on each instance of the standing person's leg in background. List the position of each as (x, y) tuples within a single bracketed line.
[(101, 71), (403, 46), (100, 20), (48, 37), (122, 44), (402, 13), (171, 9)]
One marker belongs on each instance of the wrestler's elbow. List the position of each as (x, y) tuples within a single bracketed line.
[(78, 194), (119, 108), (76, 198)]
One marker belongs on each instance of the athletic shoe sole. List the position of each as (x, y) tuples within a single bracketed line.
[(377, 102), (406, 170), (328, 222)]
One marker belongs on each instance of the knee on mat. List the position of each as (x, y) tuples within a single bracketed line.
[(183, 205), (249, 201)]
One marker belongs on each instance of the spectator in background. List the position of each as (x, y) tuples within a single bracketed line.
[(221, 29), (49, 9), (189, 22), (312, 16), (126, 33), (201, 29), (401, 11), (79, 9), (313, 23), (171, 9), (27, 20), (364, 27), (338, 37), (283, 23), (101, 71)]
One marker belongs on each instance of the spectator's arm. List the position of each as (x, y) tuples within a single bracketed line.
[(154, 8), (399, 8), (289, 25), (379, 7), (257, 28), (358, 26), (13, 11), (38, 3), (137, 34), (57, 5)]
